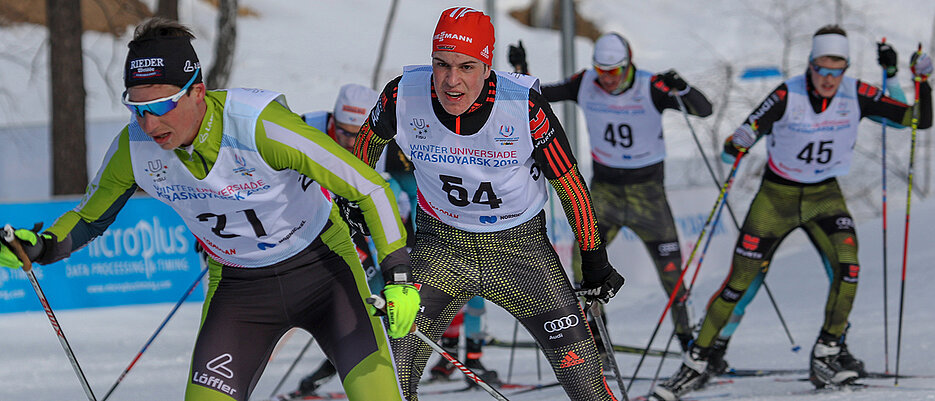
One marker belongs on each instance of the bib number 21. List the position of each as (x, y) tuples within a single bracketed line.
[(220, 222), (458, 194)]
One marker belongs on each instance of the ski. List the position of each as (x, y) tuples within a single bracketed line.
[(762, 372), (629, 349), (783, 371), (881, 375), (516, 388), (537, 387), (322, 396), (611, 375), (707, 386), (844, 388), (687, 398)]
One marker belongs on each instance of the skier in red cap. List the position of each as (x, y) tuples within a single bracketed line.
[(484, 143)]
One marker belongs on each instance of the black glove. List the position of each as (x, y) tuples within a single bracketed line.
[(600, 282), (674, 81), (352, 215), (517, 57), (32, 241), (886, 57)]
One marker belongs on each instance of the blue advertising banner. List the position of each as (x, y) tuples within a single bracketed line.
[(146, 256)]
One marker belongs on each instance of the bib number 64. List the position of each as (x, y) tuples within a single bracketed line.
[(458, 194)]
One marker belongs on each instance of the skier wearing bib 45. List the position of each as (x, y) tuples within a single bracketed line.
[(811, 126), (623, 107), (484, 143), (717, 364), (246, 176)]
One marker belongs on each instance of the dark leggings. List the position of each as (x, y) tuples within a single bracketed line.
[(318, 290), (644, 208)]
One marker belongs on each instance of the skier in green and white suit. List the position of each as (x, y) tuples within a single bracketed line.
[(246, 175)]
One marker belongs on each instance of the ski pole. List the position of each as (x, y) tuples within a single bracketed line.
[(156, 333), (886, 325), (678, 285), (10, 238), (691, 285), (380, 303), (605, 338), (291, 367), (538, 365), (912, 155), (733, 217), (769, 293), (509, 373)]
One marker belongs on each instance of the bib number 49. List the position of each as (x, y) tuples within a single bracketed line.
[(820, 152), (622, 136), (458, 195)]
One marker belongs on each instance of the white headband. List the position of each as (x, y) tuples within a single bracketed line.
[(830, 44)]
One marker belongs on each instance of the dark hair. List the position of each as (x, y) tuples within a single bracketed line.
[(832, 28), (161, 27)]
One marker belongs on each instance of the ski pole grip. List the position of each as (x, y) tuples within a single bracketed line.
[(10, 238), (377, 302)]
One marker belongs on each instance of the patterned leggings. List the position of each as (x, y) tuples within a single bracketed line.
[(516, 269)]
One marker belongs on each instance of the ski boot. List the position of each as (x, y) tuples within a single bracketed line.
[(685, 341), (717, 365), (312, 382), (472, 362), (692, 375), (847, 359), (443, 369), (825, 367)]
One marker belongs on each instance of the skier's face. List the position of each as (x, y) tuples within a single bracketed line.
[(610, 79), (180, 125), (345, 134), (458, 80), (823, 70)]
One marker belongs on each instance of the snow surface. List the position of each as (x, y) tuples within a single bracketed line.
[(309, 51), (105, 340)]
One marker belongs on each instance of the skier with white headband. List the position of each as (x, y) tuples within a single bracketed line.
[(812, 121)]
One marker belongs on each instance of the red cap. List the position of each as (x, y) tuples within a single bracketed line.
[(465, 30)]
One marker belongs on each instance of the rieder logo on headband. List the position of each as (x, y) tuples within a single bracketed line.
[(147, 67)]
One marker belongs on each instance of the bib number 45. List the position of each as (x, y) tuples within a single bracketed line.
[(458, 194), (820, 152)]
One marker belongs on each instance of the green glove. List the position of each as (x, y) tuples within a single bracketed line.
[(7, 257), (402, 304)]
